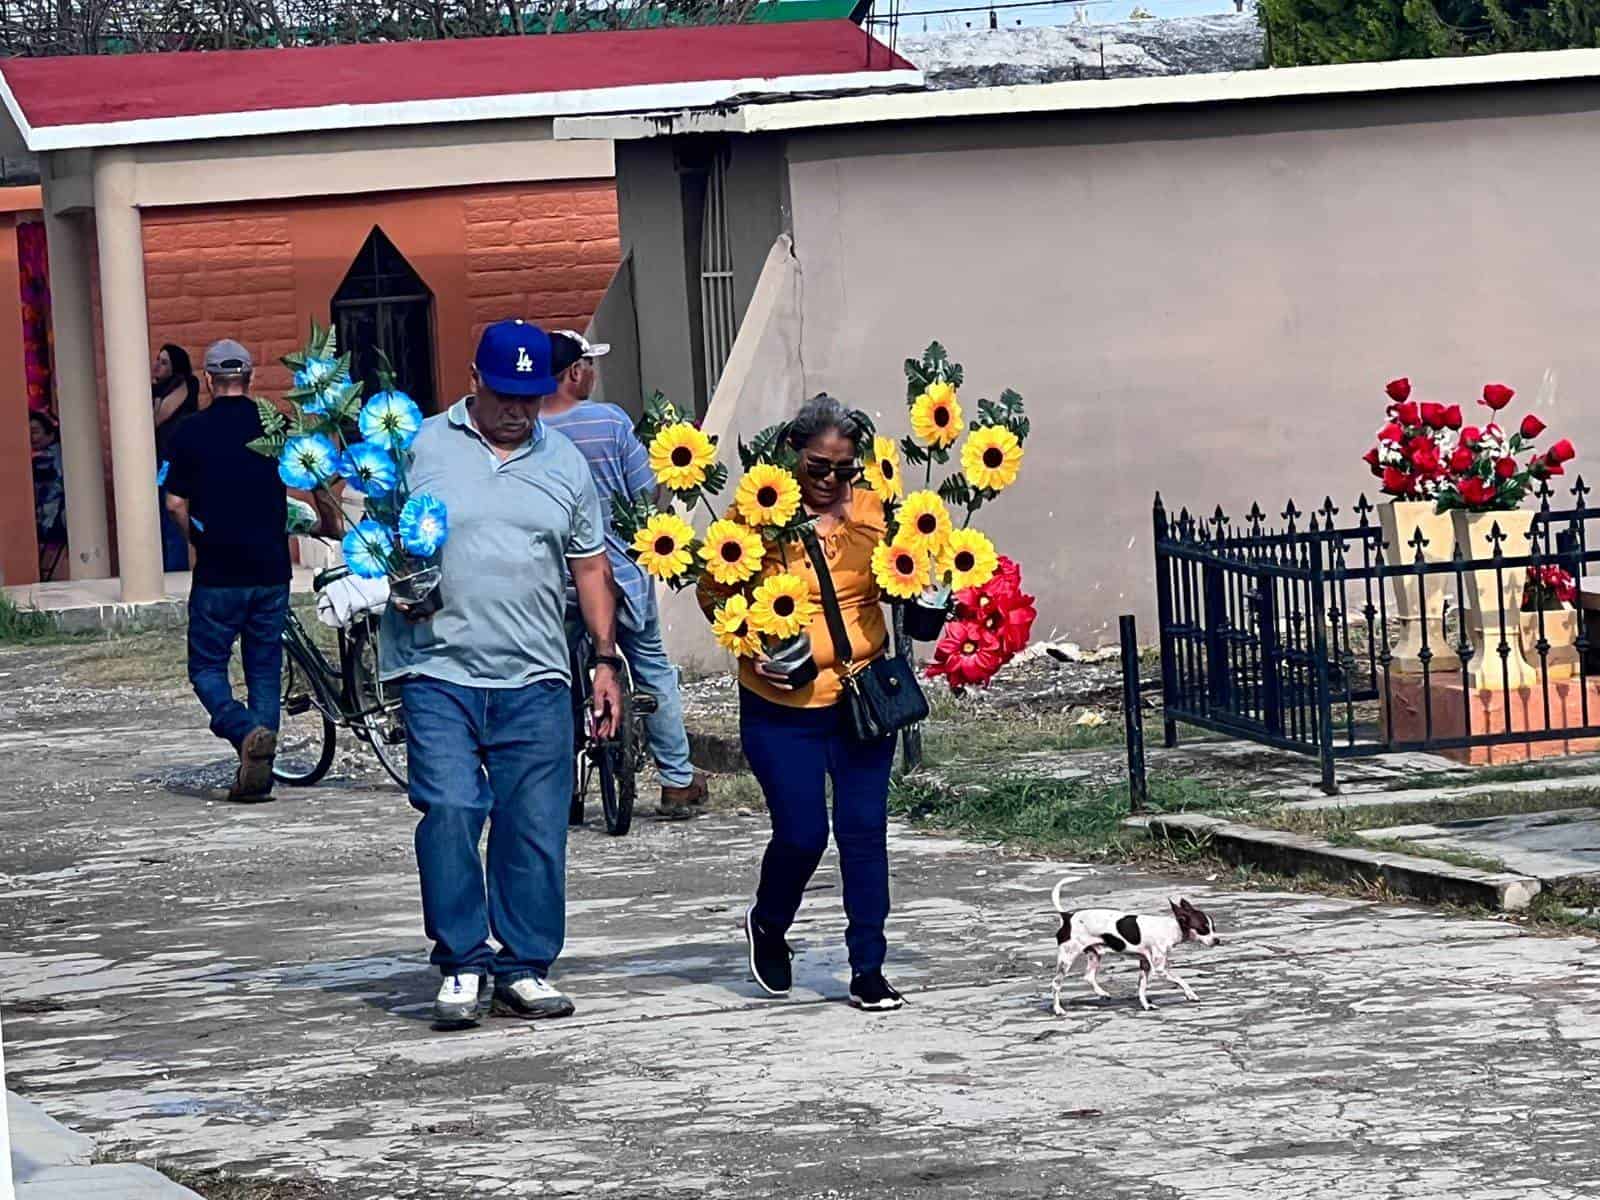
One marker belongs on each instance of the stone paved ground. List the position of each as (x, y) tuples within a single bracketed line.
[(246, 988)]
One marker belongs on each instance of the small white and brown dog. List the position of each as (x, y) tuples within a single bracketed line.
[(1093, 931)]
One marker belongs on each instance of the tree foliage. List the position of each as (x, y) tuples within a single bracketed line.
[(46, 27), (1302, 32)]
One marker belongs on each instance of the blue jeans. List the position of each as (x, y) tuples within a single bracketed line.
[(174, 546), (521, 739), (794, 752), (254, 617), (654, 673)]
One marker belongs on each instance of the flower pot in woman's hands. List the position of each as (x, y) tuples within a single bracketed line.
[(792, 660), (925, 616)]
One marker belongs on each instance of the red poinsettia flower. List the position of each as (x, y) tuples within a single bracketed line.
[(1497, 395), (1408, 413), (1433, 415), (1016, 625), (981, 606), (1562, 452), (1532, 427), (1008, 572), (1476, 491), (967, 655), (1506, 468), (1461, 459), (1398, 389), (1470, 436), (1452, 417)]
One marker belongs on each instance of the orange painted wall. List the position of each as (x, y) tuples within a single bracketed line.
[(19, 552), (260, 273)]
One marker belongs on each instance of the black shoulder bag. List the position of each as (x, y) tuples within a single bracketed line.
[(883, 697)]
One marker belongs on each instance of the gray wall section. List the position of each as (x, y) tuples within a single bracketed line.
[(758, 201), (615, 324)]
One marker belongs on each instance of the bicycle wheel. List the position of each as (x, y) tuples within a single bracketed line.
[(306, 736), (378, 718), (614, 764)]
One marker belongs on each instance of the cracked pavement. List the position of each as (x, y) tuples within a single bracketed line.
[(247, 988)]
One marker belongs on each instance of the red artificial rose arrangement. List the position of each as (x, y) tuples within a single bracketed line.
[(1426, 452), (991, 627), (1548, 588)]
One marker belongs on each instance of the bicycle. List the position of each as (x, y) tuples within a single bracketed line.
[(320, 696), (615, 761)]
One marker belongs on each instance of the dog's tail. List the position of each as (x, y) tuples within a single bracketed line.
[(1055, 893)]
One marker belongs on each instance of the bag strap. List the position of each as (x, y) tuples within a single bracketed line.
[(830, 598)]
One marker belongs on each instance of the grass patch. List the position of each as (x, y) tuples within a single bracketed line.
[(1509, 773), (18, 624), (217, 1184), (1422, 849), (1332, 823)]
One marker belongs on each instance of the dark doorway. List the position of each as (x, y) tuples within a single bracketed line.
[(384, 305)]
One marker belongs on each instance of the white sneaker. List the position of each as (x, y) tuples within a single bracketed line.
[(459, 1000), (530, 998)]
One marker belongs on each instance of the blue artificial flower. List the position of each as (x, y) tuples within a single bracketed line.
[(370, 469), (366, 550), (329, 397), (316, 372), (308, 460), (391, 419), (424, 525)]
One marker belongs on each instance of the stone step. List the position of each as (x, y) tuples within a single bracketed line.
[(51, 1162)]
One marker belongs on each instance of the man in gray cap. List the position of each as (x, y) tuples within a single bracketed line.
[(231, 505)]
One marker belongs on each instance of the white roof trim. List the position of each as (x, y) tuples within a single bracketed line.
[(1096, 94), (677, 96)]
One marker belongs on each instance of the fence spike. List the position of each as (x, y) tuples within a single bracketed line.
[(1418, 543)]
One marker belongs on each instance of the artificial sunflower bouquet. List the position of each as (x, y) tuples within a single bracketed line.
[(402, 532), (758, 616)]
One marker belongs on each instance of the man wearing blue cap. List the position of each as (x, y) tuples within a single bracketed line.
[(486, 680)]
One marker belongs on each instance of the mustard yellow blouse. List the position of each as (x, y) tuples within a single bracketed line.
[(848, 550)]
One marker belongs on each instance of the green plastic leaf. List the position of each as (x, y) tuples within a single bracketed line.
[(272, 421)]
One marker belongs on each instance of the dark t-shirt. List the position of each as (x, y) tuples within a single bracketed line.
[(168, 429), (237, 504)]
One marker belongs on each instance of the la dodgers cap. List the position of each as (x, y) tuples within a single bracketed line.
[(513, 359)]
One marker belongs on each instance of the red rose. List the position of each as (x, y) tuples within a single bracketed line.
[(1398, 389), (967, 654), (1425, 458), (1391, 433), (1408, 414), (1497, 395), (1371, 459), (1452, 417), (1433, 415), (1396, 482), (1476, 491), (1506, 468), (1543, 467), (1562, 452), (1461, 460), (1532, 427)]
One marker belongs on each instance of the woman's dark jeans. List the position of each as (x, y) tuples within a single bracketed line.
[(793, 752)]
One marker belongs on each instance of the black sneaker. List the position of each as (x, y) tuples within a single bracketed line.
[(871, 991), (769, 956)]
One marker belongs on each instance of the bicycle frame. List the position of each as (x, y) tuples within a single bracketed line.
[(327, 681)]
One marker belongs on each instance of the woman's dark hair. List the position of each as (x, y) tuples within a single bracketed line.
[(46, 420), (182, 368), (820, 414)]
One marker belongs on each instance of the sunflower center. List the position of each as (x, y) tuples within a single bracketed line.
[(665, 545), (887, 469), (784, 606), (993, 458), (742, 629), (732, 552), (766, 497), (941, 416), (965, 561), (927, 524), (905, 564), (682, 456)]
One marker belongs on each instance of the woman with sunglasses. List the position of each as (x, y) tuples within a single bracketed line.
[(796, 738)]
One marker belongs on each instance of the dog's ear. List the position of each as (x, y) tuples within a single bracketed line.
[(1187, 905), (1177, 906)]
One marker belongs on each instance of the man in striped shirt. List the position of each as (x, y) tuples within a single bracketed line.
[(604, 434)]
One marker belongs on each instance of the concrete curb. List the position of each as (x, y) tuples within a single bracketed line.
[(1296, 854), (50, 1162)]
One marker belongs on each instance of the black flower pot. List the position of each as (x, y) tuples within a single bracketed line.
[(793, 660), (925, 616)]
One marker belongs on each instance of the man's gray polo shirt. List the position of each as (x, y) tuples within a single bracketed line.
[(513, 523)]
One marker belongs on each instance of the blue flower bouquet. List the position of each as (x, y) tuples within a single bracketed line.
[(335, 434)]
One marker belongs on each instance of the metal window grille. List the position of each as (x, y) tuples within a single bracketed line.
[(719, 321)]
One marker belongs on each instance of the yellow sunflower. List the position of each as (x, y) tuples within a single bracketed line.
[(882, 471), (664, 546), (991, 458), (900, 569), (734, 631), (767, 495), (924, 523), (782, 606), (970, 559), (732, 553), (680, 455), (936, 415)]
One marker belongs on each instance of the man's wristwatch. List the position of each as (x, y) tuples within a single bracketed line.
[(614, 661)]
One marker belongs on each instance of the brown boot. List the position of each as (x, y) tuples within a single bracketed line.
[(679, 803), (256, 752)]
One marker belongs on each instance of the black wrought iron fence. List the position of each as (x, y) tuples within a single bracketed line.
[(1319, 634)]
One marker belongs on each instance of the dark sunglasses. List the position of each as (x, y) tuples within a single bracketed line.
[(843, 472)]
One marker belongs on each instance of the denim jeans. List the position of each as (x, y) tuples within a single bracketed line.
[(653, 672), (501, 755), (254, 617), (174, 546), (793, 753)]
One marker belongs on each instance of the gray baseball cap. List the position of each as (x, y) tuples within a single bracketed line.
[(228, 357)]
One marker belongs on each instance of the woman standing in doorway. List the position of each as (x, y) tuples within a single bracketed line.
[(797, 739), (175, 394)]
